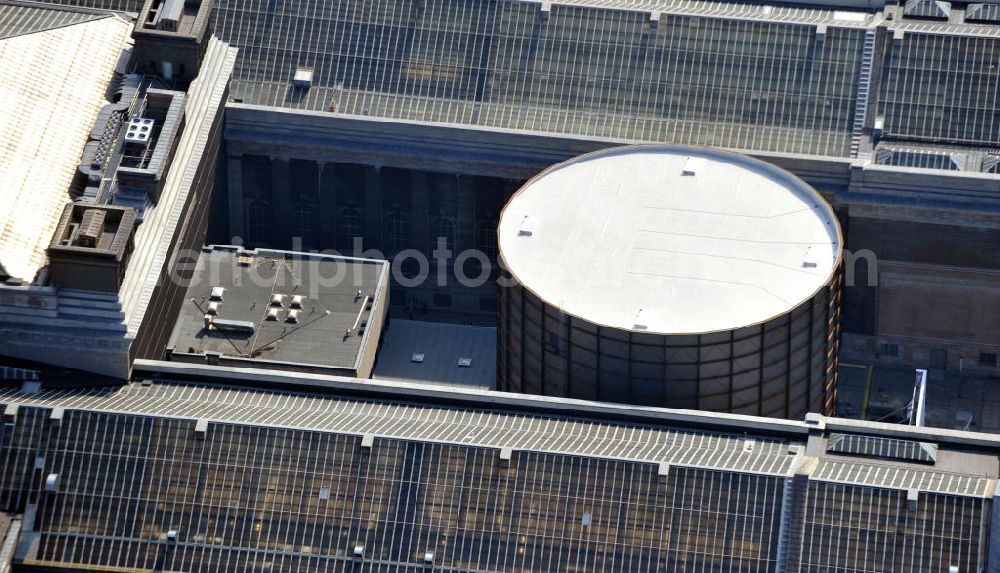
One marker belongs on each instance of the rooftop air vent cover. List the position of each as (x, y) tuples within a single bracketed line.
[(277, 300), (991, 164), (292, 316), (140, 130), (217, 293), (272, 314), (417, 357), (920, 158), (934, 9), (879, 447), (981, 12), (464, 362), (297, 301), (527, 228), (641, 320), (692, 166), (303, 78)]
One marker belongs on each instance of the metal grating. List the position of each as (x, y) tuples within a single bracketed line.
[(886, 448), (940, 87), (443, 425), (181, 492), (19, 445), (901, 478), (852, 529), (272, 499), (584, 70), (922, 159)]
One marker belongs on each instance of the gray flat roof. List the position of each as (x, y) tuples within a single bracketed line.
[(669, 239), (330, 306), (439, 346)]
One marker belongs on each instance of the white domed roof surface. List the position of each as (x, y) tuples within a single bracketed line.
[(670, 239)]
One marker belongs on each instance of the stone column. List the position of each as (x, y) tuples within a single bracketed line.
[(237, 208), (373, 208), (420, 213), (465, 222), (328, 206), (284, 225)]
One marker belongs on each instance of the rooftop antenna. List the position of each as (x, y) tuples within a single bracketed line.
[(917, 409), (263, 316)]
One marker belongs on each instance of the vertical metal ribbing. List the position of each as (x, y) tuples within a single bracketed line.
[(598, 377), (503, 327), (809, 366), (521, 360), (732, 359), (788, 368), (631, 375), (543, 355), (760, 372), (568, 362), (697, 373)]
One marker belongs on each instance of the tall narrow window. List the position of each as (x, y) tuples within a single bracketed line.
[(397, 232), (350, 227), (258, 223), (305, 219), (487, 239)]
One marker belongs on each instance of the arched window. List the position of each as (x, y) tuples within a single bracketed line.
[(444, 229), (350, 227), (258, 223), (397, 232), (305, 219)]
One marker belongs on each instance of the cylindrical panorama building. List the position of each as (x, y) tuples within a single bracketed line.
[(671, 276)]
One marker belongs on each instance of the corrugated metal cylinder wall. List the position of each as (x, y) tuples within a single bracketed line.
[(784, 367)]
